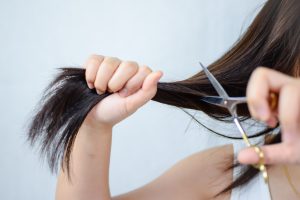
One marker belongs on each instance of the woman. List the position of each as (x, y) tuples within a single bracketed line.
[(81, 107)]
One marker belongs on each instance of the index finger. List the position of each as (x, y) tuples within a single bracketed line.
[(262, 81), (281, 153), (92, 65)]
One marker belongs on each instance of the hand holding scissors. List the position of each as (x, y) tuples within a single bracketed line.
[(223, 100), (262, 81), (271, 96)]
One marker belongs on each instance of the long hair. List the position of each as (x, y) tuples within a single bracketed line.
[(272, 40)]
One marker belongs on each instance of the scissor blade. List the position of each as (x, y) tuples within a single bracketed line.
[(213, 100), (220, 101), (220, 90)]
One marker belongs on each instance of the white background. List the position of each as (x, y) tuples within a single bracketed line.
[(36, 37)]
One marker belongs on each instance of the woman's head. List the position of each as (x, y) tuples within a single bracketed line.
[(272, 40)]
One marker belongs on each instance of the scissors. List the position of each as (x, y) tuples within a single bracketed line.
[(224, 100)]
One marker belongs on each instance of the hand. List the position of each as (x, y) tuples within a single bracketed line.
[(132, 86), (262, 81)]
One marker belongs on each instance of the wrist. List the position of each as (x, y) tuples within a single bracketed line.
[(95, 127)]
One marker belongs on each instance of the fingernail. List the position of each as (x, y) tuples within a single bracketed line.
[(90, 85), (160, 72), (124, 92), (99, 92)]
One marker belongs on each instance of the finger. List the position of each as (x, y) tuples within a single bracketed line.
[(146, 93), (262, 81), (289, 112), (136, 82), (105, 72), (273, 154), (125, 71), (92, 66), (273, 120)]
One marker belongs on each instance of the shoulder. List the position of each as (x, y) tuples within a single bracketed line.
[(284, 181), (208, 171), (198, 176)]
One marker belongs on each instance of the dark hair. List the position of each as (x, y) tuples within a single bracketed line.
[(272, 40)]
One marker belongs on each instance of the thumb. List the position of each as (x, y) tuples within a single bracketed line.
[(273, 154), (145, 93)]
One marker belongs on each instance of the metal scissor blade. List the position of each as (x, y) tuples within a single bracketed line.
[(219, 101), (220, 90), (227, 103)]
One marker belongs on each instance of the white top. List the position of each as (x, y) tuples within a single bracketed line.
[(255, 189)]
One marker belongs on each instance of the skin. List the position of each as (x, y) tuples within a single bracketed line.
[(199, 176), (262, 81)]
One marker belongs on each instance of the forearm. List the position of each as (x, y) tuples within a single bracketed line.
[(89, 166)]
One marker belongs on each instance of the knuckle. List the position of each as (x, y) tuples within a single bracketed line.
[(132, 84), (91, 63), (257, 76), (130, 64), (145, 68), (112, 87), (132, 87), (110, 63), (261, 71), (95, 58), (110, 59)]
